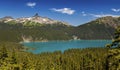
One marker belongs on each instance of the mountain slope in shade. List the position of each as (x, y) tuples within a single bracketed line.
[(101, 28)]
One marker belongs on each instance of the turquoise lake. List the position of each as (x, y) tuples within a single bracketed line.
[(52, 46)]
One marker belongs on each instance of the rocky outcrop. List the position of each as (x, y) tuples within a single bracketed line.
[(27, 39)]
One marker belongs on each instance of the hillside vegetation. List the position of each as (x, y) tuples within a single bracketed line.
[(18, 32), (13, 56), (101, 28), (73, 59)]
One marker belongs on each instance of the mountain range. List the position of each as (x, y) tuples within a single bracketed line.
[(36, 19), (37, 28)]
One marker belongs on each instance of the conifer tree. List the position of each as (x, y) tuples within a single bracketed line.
[(113, 59), (116, 41)]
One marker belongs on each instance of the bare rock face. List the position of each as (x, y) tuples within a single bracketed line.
[(36, 15), (39, 19)]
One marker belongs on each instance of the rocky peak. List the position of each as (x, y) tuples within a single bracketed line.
[(36, 18), (36, 15)]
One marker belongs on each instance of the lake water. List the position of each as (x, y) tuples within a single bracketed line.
[(64, 45)]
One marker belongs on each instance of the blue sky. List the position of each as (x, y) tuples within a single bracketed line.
[(75, 12)]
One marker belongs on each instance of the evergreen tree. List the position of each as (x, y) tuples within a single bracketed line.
[(113, 58), (116, 41), (3, 58)]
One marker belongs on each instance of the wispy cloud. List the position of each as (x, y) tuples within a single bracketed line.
[(103, 15), (115, 10), (98, 15), (84, 14), (31, 4), (68, 11)]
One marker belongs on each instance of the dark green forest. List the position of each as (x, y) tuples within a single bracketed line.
[(13, 55), (13, 32)]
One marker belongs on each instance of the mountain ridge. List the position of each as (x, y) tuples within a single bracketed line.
[(99, 29), (36, 19)]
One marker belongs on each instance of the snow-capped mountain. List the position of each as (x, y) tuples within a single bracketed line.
[(36, 18)]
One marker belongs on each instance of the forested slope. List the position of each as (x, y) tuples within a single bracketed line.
[(73, 59), (101, 28)]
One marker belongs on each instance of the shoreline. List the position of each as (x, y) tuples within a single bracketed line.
[(65, 40)]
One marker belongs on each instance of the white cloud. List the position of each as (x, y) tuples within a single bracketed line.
[(68, 11), (84, 14), (115, 10), (31, 4), (104, 15)]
